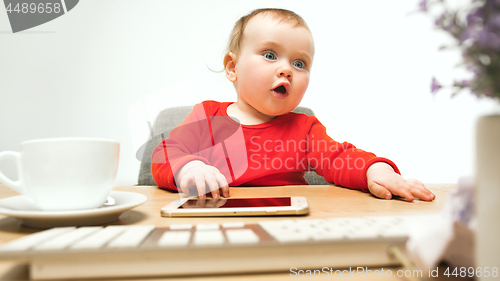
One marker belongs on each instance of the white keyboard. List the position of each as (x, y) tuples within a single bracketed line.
[(204, 249)]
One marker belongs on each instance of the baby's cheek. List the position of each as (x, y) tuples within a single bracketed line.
[(302, 87), (302, 80)]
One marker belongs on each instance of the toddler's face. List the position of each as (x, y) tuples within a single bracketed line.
[(272, 68)]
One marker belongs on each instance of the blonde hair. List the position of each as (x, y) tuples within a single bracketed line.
[(237, 34)]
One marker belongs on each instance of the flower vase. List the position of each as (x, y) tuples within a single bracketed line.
[(488, 194)]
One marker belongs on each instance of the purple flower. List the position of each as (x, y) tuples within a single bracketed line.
[(478, 37), (468, 34), (494, 22), (435, 86), (474, 69), (439, 21), (489, 40), (492, 4), (449, 25), (474, 17), (422, 5), (461, 84)]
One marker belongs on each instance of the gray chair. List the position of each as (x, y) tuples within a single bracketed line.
[(170, 118)]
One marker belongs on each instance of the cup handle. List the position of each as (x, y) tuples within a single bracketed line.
[(16, 185)]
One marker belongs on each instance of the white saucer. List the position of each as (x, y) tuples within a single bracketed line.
[(20, 207)]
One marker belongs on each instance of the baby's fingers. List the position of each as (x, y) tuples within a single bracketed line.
[(380, 191), (221, 180), (401, 189), (200, 186), (212, 184), (186, 182), (192, 185), (418, 190), (393, 188)]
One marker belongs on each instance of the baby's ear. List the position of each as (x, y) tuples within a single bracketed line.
[(230, 66)]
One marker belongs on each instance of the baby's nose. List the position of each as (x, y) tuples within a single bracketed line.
[(284, 72)]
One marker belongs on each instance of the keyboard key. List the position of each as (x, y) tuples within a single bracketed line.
[(276, 223), (98, 239), (207, 226), (387, 221), (67, 239), (233, 225), (328, 236), (132, 237), (339, 221), (395, 232), (364, 233), (306, 228), (174, 239), (181, 226), (242, 236), (311, 222), (208, 237), (30, 241), (289, 237), (280, 225)]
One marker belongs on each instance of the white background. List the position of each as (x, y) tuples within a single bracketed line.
[(81, 74)]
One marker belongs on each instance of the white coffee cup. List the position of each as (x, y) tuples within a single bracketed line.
[(64, 173)]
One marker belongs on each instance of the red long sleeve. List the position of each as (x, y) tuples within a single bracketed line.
[(274, 153)]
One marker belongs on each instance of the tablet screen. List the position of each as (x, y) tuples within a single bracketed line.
[(237, 202)]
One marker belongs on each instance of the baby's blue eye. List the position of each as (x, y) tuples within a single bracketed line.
[(269, 56), (298, 64)]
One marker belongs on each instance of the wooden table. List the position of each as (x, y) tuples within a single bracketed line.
[(324, 201)]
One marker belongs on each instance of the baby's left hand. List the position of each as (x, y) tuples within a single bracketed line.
[(383, 182)]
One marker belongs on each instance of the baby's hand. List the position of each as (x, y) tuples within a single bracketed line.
[(383, 182), (196, 176)]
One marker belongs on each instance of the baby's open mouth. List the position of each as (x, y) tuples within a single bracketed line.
[(281, 89), (280, 92)]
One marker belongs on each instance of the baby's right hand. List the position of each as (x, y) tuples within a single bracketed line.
[(196, 176)]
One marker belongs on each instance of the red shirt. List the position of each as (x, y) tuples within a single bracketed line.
[(277, 152)]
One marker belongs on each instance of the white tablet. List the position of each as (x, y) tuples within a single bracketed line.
[(271, 206)]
